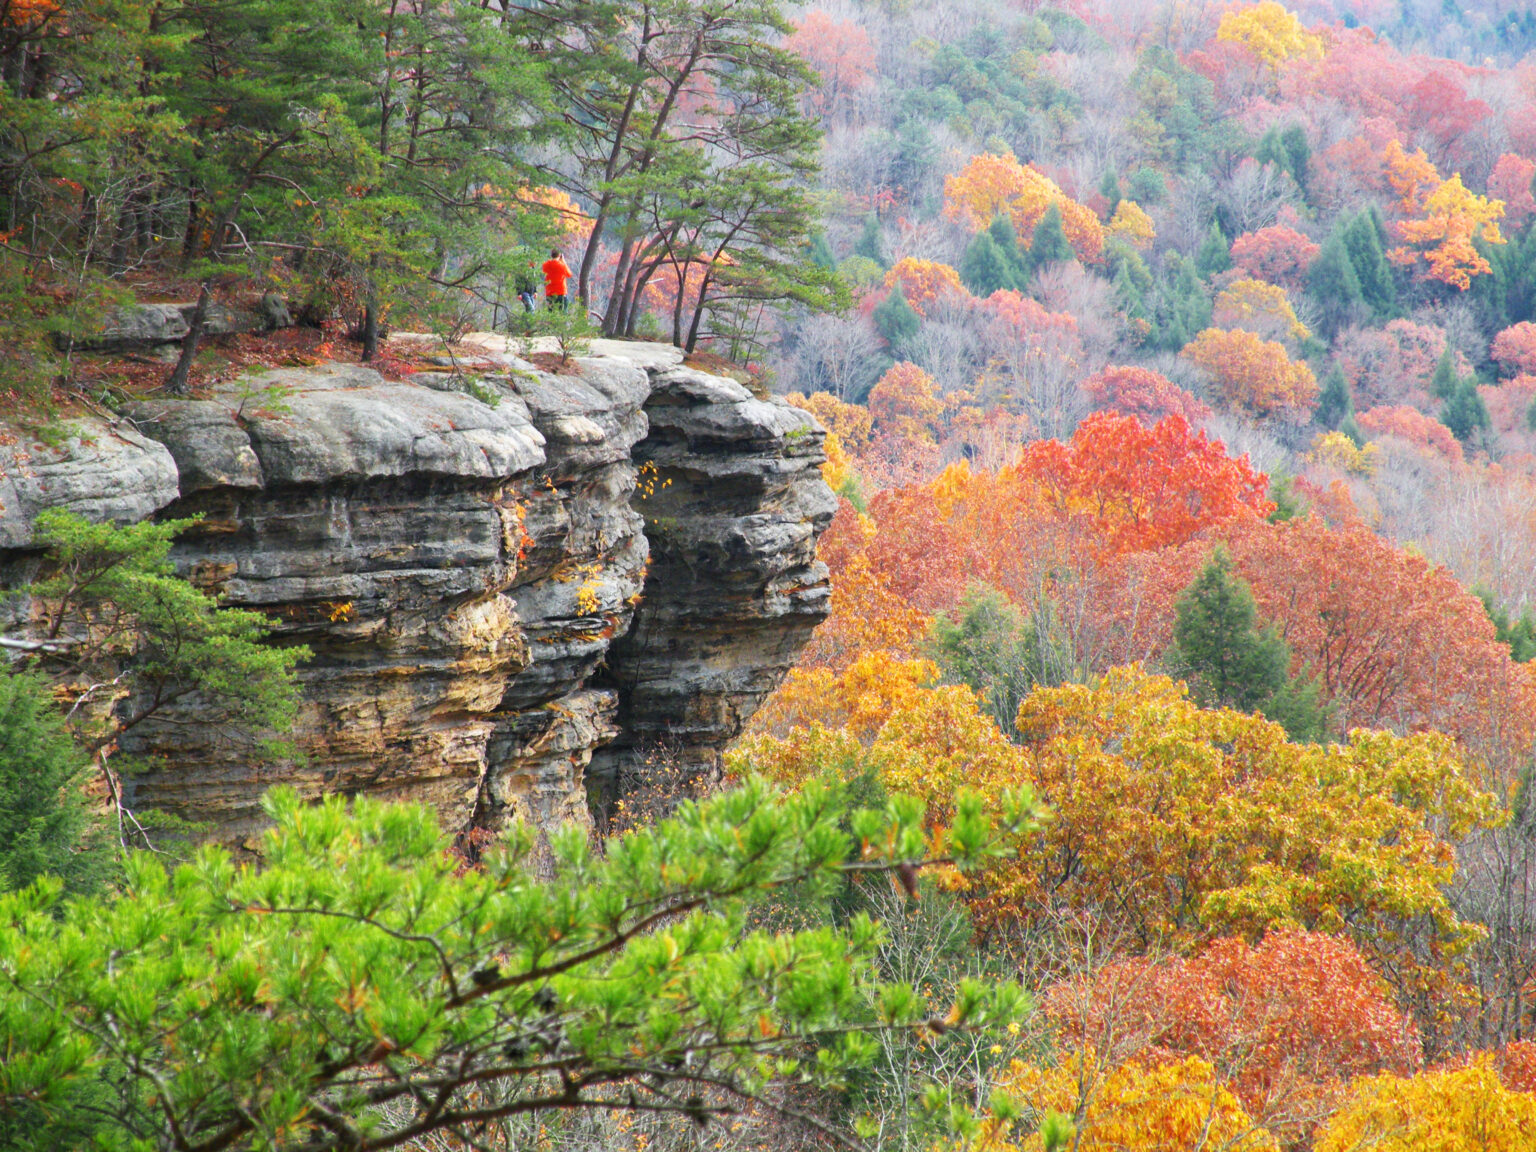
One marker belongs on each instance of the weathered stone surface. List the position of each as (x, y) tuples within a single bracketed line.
[(102, 470), (734, 589), (467, 576)]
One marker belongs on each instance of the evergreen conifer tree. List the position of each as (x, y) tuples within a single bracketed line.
[(44, 825), (983, 269), (1049, 243), (1230, 662), (1364, 237), (1109, 188), (1333, 284), (871, 242), (1007, 241), (1215, 253), (1351, 428), (1464, 413), (1185, 308), (1334, 403), (1443, 383), (897, 322), (821, 252)]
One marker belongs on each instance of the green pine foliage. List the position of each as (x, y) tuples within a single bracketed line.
[(1365, 239), (1049, 244), (45, 827), (1215, 252), (1442, 385), (1334, 285), (983, 268), (991, 645), (1518, 634), (111, 596), (871, 242), (1464, 413), (354, 983), (1231, 662), (1334, 403), (897, 322), (1007, 241)]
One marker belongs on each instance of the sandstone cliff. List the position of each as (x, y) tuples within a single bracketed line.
[(504, 600)]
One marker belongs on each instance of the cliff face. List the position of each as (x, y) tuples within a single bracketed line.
[(595, 568)]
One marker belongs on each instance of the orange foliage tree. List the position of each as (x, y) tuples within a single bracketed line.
[(1465, 1110), (904, 403), (1413, 426), (1287, 1022), (1135, 1107), (991, 183), (1441, 219), (1515, 348), (1256, 376), (1145, 487), (923, 281)]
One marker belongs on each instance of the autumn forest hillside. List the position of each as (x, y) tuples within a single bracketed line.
[(1183, 424), (1161, 779)]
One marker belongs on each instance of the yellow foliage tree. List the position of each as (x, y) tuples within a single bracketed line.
[(1449, 216), (991, 183), (1466, 1110), (1176, 1106), (1336, 450), (1131, 224), (1271, 32), (1259, 307), (1189, 822), (851, 423), (904, 403)]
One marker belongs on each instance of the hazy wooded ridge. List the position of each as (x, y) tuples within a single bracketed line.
[(1179, 367)]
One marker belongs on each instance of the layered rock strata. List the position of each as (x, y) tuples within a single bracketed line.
[(498, 580)]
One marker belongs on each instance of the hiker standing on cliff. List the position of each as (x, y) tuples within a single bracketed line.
[(527, 284), (556, 273)]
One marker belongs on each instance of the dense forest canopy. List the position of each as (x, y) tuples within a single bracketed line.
[(1178, 363)]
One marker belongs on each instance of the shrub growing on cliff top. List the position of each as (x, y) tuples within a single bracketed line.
[(355, 993)]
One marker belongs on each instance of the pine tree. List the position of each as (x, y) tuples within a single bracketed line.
[(44, 824), (1007, 241), (1351, 428), (984, 269), (1333, 284), (1232, 663), (1185, 308), (1442, 384), (1215, 253), (1049, 243), (1334, 403), (897, 322), (1365, 239), (821, 252), (1464, 413), (871, 242), (1298, 154), (1109, 188)]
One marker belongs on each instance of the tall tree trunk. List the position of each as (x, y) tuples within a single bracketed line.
[(177, 385)]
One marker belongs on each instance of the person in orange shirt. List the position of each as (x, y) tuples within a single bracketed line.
[(556, 273)]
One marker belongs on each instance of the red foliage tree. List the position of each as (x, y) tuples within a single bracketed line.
[(1510, 182), (1515, 348), (1413, 426), (841, 53), (1144, 394), (1277, 254)]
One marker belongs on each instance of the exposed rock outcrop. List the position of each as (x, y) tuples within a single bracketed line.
[(488, 598)]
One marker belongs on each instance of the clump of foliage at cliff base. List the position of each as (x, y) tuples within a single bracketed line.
[(105, 643)]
